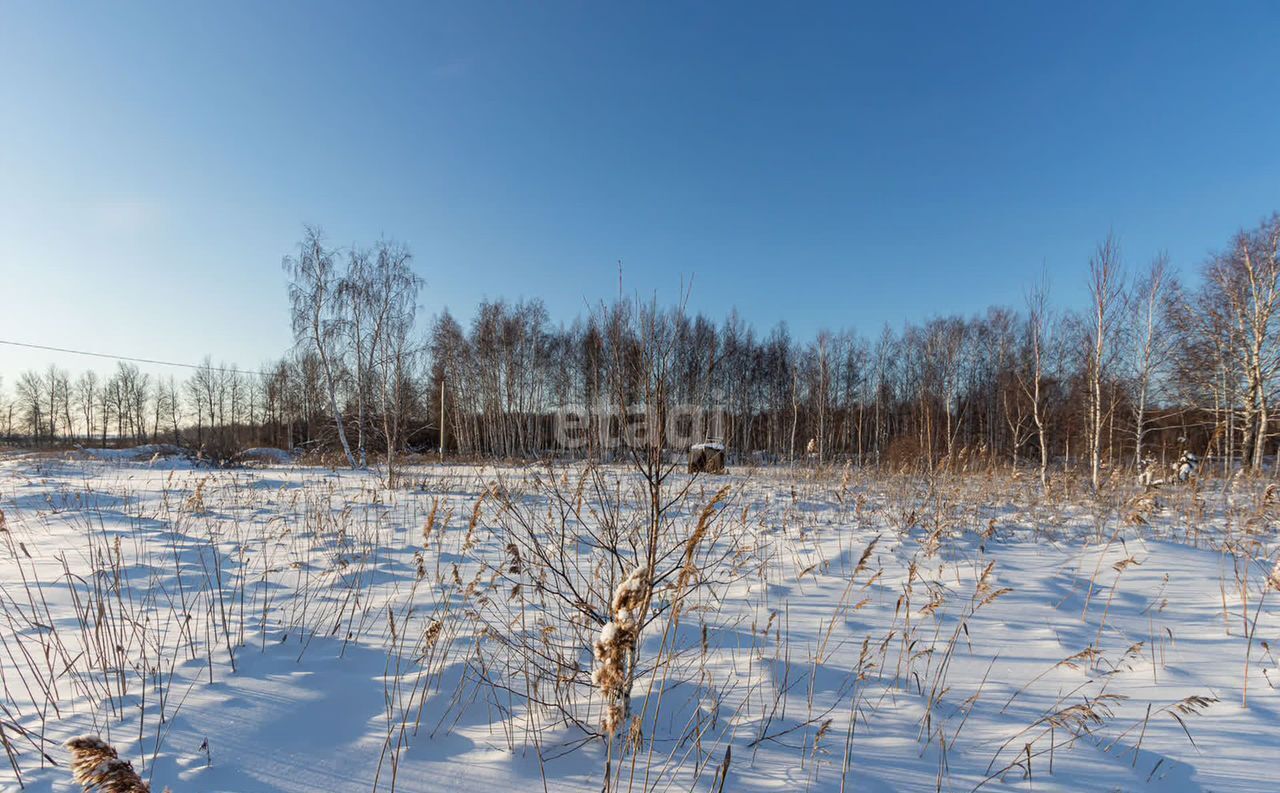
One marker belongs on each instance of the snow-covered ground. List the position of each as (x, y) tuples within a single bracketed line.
[(301, 629)]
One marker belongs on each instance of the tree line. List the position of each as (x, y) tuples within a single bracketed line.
[(1149, 367)]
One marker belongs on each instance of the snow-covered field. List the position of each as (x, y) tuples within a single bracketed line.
[(300, 629)]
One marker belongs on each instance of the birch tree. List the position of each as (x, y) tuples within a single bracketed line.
[(1105, 298), (1246, 282), (316, 321), (1031, 376), (1151, 345)]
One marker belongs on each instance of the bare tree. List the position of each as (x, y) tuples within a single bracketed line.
[(30, 399), (390, 295), (6, 415), (1106, 296), (57, 383), (173, 405), (1245, 282), (316, 325), (86, 395), (1031, 374), (1151, 345)]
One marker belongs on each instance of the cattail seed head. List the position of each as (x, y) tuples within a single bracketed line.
[(95, 765)]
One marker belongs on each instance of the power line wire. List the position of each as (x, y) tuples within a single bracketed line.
[(130, 358)]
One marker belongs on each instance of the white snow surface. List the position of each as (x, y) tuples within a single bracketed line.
[(287, 629), (144, 453), (265, 455)]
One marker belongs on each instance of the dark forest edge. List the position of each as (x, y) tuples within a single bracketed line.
[(1150, 367)]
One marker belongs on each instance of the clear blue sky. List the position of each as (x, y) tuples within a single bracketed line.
[(837, 166)]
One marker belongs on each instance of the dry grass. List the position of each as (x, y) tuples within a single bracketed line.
[(549, 603)]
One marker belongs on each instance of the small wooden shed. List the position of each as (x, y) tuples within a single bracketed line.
[(706, 458)]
